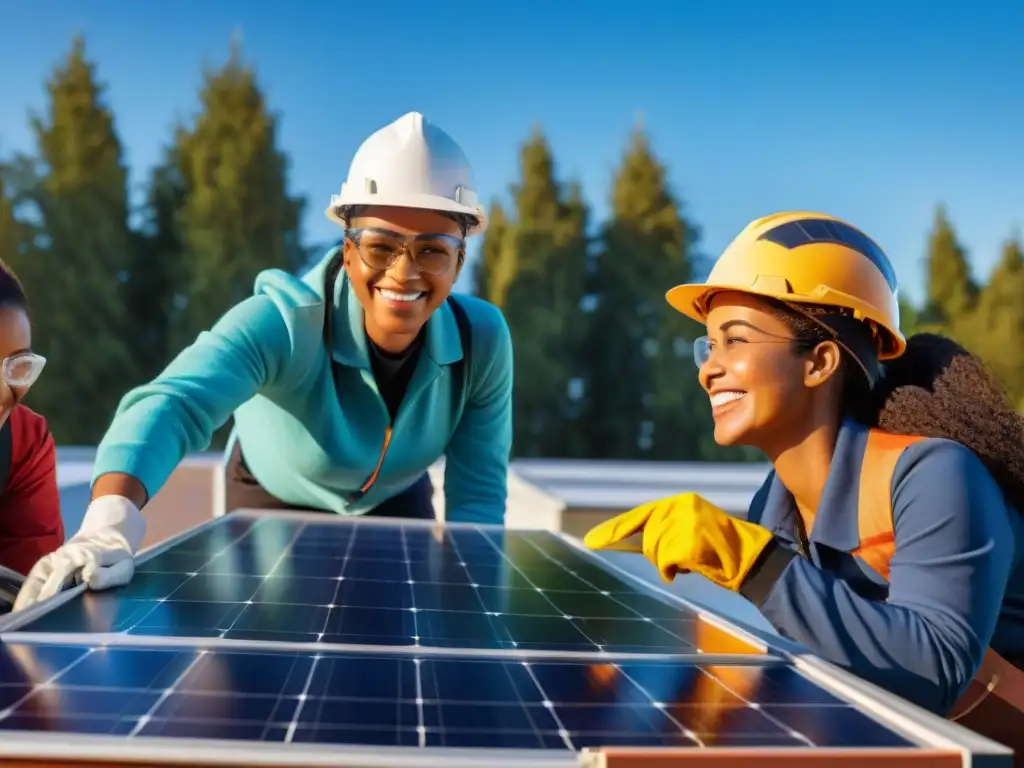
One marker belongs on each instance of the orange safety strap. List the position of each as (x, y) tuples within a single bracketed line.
[(878, 544)]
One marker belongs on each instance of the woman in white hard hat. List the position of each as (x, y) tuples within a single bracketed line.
[(346, 384)]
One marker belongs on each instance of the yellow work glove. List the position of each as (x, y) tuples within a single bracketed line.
[(688, 533)]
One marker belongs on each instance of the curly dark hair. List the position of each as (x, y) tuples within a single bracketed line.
[(935, 389)]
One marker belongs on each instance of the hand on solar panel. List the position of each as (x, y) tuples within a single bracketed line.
[(687, 533), (101, 555)]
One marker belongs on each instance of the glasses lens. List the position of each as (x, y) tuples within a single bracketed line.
[(433, 254), (23, 370), (701, 350), (377, 250)]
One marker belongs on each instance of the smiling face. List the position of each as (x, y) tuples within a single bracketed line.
[(398, 299), (764, 385)]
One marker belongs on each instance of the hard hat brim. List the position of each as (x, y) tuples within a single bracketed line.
[(691, 299), (416, 201)]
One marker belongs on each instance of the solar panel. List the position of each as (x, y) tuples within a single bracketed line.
[(301, 635), (301, 582), (399, 700)]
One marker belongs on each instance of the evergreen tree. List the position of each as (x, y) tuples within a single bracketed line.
[(11, 237), (909, 317), (542, 262), (950, 290), (492, 271), (82, 201), (19, 239), (997, 327), (643, 399), (155, 290), (235, 216)]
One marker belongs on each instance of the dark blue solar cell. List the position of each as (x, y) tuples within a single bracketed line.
[(129, 668), (174, 562), (94, 612), (593, 683), (268, 618), (198, 728), (795, 234), (59, 722), (376, 594), (526, 602), (372, 626), (206, 587), (459, 629), (27, 664), (200, 619), (482, 716), (360, 714), (383, 737), (471, 681), (375, 570), (634, 633), (555, 632), (302, 590), (151, 586), (365, 677), (262, 708), (836, 726), (458, 738), (591, 605)]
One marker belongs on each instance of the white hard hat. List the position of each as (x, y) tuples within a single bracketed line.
[(410, 163)]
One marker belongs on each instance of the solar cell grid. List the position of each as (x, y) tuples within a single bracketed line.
[(289, 581), (399, 700)]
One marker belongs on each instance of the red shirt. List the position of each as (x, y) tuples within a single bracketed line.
[(30, 521)]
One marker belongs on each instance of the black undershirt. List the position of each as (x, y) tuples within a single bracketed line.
[(394, 371)]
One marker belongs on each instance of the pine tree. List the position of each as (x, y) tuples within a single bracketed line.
[(542, 260), (643, 399), (157, 279), (82, 198), (10, 229), (950, 290), (492, 270), (909, 317), (997, 326), (236, 217)]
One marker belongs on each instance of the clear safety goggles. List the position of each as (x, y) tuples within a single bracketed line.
[(379, 249), (22, 369), (703, 347)]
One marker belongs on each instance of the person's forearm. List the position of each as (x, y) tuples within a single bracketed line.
[(120, 484)]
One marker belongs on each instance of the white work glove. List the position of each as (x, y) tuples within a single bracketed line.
[(101, 554)]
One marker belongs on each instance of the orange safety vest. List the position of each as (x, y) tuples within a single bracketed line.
[(993, 703)]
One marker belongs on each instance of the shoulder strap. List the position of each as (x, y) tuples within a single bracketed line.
[(466, 337), (874, 500), (995, 676), (331, 272), (6, 452)]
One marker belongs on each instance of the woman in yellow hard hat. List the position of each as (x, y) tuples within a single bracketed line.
[(887, 538)]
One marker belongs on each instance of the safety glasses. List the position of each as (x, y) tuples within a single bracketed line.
[(22, 369), (380, 249)]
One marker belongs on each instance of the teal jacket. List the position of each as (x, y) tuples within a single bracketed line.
[(308, 441)]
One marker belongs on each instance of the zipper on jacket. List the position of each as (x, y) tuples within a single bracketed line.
[(380, 461)]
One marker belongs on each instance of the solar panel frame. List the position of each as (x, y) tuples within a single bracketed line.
[(941, 740)]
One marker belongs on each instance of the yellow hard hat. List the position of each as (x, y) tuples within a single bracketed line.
[(805, 258)]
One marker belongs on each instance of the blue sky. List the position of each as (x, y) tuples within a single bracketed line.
[(874, 111)]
